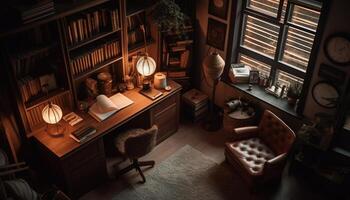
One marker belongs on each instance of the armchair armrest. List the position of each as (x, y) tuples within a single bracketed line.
[(276, 160), (245, 132), (274, 166)]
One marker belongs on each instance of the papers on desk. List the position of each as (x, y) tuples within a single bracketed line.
[(105, 107)]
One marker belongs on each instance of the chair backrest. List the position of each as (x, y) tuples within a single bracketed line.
[(142, 143), (275, 133)]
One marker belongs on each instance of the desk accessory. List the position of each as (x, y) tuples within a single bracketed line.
[(83, 134), (146, 67), (151, 93), (159, 81), (105, 107), (72, 118), (105, 83), (52, 114)]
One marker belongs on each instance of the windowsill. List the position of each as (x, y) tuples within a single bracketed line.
[(260, 94)]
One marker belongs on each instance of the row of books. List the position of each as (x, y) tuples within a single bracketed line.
[(177, 74), (91, 24), (134, 21), (22, 66), (179, 59), (88, 61), (136, 36), (30, 87)]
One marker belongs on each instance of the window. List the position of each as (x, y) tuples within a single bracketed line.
[(277, 37)]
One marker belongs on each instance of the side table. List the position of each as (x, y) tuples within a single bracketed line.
[(237, 118)]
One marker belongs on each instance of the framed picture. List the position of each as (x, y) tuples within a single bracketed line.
[(254, 77), (218, 8), (216, 34)]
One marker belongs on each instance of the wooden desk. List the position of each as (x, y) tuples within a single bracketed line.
[(79, 167)]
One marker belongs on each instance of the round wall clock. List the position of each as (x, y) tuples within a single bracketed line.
[(325, 94), (337, 49)]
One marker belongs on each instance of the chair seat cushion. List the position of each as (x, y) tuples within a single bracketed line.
[(250, 154)]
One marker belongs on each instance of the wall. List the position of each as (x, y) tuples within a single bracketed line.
[(338, 12), (336, 22), (202, 49)]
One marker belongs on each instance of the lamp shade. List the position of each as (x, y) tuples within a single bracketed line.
[(52, 113), (213, 66), (146, 65)]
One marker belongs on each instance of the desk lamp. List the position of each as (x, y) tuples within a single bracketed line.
[(213, 67), (146, 66), (52, 114)]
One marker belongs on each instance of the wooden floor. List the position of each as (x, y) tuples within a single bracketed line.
[(212, 145)]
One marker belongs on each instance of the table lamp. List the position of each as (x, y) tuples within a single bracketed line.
[(146, 66), (52, 114), (213, 67)]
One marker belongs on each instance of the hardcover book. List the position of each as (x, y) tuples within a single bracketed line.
[(105, 107)]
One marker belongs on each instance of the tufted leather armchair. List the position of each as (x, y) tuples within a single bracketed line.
[(259, 152)]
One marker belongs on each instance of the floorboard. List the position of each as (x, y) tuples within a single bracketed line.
[(212, 145)]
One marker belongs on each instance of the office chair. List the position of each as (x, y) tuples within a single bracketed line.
[(134, 144)]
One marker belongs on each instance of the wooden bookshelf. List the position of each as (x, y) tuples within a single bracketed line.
[(38, 54), (92, 39), (45, 98), (97, 68)]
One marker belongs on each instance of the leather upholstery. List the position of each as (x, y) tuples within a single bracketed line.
[(252, 154), (258, 153), (136, 143), (275, 133)]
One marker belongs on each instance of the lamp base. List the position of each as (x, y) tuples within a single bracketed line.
[(151, 93), (55, 130)]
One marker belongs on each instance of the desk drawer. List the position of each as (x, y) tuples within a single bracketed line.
[(89, 152), (165, 104), (167, 123)]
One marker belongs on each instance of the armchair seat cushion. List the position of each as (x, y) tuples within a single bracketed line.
[(251, 154)]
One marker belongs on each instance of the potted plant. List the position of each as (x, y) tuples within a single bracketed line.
[(293, 93), (168, 16)]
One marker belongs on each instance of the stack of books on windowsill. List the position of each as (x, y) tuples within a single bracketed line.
[(195, 104)]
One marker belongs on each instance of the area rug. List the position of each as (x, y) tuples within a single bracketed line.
[(186, 175)]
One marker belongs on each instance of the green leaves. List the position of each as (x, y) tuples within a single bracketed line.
[(168, 16)]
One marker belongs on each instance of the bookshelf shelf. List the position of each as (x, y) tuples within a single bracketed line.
[(137, 46), (34, 50), (93, 39), (42, 98), (97, 67)]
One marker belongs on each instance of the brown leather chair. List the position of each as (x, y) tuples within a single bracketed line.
[(259, 153), (134, 144)]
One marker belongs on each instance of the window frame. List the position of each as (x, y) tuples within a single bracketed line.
[(240, 8)]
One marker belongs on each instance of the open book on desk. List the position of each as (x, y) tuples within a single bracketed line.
[(105, 107)]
